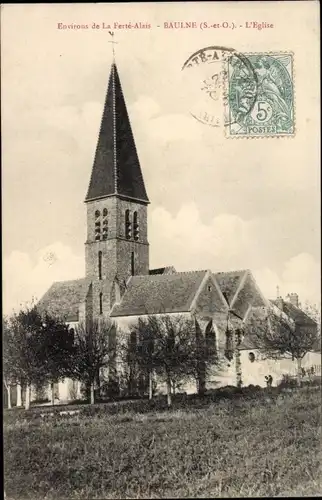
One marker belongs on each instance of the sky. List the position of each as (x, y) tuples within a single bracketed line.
[(216, 203)]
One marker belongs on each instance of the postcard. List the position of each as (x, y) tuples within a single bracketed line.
[(161, 249)]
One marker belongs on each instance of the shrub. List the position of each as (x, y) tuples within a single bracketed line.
[(287, 382)]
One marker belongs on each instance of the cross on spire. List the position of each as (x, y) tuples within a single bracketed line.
[(113, 44)]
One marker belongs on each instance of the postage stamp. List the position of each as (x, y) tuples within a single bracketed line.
[(247, 95), (271, 113)]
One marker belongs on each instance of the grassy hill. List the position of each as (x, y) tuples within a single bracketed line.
[(264, 445)]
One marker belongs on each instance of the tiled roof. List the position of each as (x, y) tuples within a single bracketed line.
[(228, 282), (64, 297), (295, 313), (116, 168), (250, 341), (159, 293)]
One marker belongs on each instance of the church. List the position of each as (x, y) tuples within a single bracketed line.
[(119, 282)]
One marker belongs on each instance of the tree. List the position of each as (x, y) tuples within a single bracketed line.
[(204, 357), (173, 348), (23, 335), (314, 312), (139, 355), (8, 356), (277, 335), (95, 345), (38, 348), (234, 334), (58, 351)]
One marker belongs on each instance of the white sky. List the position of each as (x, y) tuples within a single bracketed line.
[(215, 203)]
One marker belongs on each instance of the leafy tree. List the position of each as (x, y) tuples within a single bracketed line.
[(96, 348), (23, 336), (37, 349), (8, 357), (278, 336)]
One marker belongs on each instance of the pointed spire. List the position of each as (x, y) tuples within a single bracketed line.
[(116, 169)]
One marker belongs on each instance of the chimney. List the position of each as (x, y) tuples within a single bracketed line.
[(293, 298), (279, 303)]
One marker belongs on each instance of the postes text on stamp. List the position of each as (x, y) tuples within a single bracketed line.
[(272, 111)]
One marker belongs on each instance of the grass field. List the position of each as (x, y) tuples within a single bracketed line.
[(268, 445)]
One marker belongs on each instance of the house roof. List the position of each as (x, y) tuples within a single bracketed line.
[(295, 313), (64, 297), (159, 293), (116, 169)]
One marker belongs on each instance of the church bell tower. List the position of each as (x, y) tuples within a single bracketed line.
[(116, 200)]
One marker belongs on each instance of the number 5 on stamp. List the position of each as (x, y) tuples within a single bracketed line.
[(272, 112)]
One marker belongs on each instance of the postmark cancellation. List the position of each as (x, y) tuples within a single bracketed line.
[(246, 94)]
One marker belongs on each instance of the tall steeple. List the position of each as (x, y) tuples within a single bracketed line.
[(116, 169), (116, 201)]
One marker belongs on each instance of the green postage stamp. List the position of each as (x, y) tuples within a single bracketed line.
[(261, 101)]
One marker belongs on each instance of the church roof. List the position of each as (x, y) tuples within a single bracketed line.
[(159, 293), (116, 169), (229, 283), (64, 298), (163, 270)]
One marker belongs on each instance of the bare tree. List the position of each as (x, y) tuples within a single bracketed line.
[(314, 312), (174, 348), (140, 355), (235, 330), (279, 336), (95, 344)]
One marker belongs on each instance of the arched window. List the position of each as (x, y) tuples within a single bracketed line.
[(97, 225), (101, 303), (136, 228), (210, 336), (128, 225), (105, 224), (251, 357), (100, 265)]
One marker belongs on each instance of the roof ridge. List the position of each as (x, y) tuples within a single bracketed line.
[(69, 281), (236, 271), (172, 274)]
